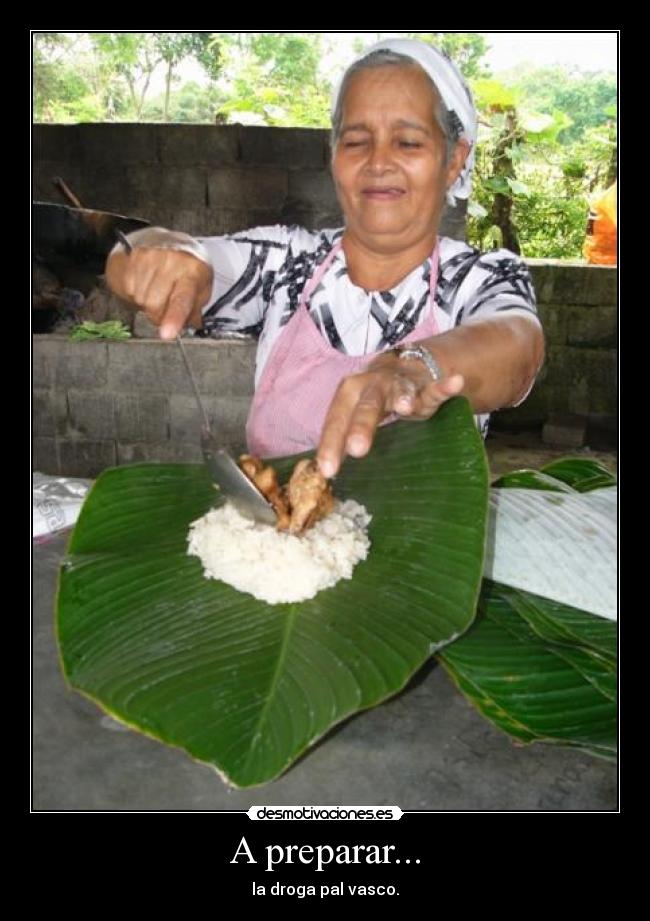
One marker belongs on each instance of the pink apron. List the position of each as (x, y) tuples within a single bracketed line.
[(303, 372)]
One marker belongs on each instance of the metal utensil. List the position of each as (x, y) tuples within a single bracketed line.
[(124, 241), (226, 473)]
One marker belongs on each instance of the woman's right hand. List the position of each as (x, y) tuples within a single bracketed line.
[(170, 286)]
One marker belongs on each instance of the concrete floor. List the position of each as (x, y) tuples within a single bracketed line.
[(509, 452), (426, 748)]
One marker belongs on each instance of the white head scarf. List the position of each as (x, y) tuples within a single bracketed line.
[(453, 90)]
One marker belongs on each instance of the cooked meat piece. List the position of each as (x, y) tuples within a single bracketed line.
[(310, 496), (266, 480), (305, 500)]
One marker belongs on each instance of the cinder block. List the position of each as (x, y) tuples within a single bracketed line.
[(142, 417), (566, 430), (103, 186), (193, 220), (223, 367), (162, 453), (57, 142), (85, 458), (44, 352), (118, 143), (586, 377), (554, 318), (220, 221), (592, 327), (227, 417), (208, 145), (560, 282), (49, 412), (45, 457), (146, 366), (290, 148), (241, 189), (312, 188), (167, 186), (91, 414), (79, 364)]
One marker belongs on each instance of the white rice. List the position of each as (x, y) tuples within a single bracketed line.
[(274, 566)]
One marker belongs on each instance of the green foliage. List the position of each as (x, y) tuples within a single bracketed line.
[(550, 178), (110, 329), (274, 79), (588, 99), (62, 91), (191, 103), (491, 96), (464, 48)]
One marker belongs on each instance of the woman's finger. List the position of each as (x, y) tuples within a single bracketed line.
[(431, 398), (331, 448), (180, 307), (368, 412), (404, 394)]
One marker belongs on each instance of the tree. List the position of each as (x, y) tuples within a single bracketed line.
[(133, 56), (466, 49), (274, 79), (585, 97), (294, 58), (174, 47), (57, 88)]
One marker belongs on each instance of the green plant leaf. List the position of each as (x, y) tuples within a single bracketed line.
[(237, 683), (474, 209), (110, 329), (497, 184), (493, 96), (561, 545), (531, 479), (564, 625), (517, 187), (529, 686), (580, 474)]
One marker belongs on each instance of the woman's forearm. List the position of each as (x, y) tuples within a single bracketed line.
[(498, 358)]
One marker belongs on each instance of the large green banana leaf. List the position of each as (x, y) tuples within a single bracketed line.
[(538, 668), (246, 686), (539, 671)]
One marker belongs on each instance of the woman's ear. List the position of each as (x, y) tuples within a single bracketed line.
[(457, 161)]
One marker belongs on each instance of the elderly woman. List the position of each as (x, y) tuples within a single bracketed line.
[(377, 320)]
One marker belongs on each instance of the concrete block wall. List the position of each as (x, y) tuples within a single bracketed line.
[(578, 307), (202, 179), (98, 404)]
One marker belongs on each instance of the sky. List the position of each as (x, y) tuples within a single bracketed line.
[(585, 50)]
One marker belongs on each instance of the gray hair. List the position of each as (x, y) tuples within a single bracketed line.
[(386, 58)]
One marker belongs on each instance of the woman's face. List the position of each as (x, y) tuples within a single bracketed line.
[(389, 161)]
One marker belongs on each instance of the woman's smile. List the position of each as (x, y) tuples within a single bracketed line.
[(383, 193)]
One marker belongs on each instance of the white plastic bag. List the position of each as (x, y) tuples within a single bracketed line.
[(56, 503)]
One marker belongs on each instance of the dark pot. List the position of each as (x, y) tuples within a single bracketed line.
[(74, 242)]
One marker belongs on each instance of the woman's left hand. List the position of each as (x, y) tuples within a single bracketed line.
[(389, 385)]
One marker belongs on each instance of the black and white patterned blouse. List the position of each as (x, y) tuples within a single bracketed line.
[(259, 276)]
